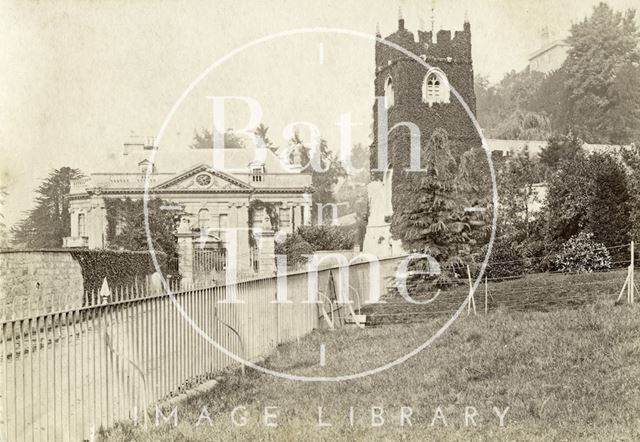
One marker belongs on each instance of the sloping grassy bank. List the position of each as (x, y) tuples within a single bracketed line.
[(535, 292), (569, 374)]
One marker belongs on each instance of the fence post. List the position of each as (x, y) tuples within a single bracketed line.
[(631, 274), (629, 282), (471, 294), (486, 294)]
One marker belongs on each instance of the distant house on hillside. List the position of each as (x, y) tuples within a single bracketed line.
[(550, 55)]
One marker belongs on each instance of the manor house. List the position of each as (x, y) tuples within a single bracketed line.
[(212, 199)]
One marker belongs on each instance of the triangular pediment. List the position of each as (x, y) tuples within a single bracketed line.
[(202, 177)]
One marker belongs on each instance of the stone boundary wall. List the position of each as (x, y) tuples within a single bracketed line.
[(38, 282)]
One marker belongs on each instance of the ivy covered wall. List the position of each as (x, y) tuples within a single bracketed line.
[(452, 55), (121, 268)]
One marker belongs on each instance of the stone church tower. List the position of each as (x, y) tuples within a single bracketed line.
[(417, 101)]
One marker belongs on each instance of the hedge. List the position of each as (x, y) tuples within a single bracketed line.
[(121, 268)]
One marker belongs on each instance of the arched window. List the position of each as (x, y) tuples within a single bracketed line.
[(82, 226), (388, 93), (435, 87), (203, 218)]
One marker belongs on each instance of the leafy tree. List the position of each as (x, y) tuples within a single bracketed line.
[(126, 225), (352, 197), (519, 88), (524, 125), (604, 48), (489, 104), (506, 109), (631, 158), (608, 214), (204, 140), (261, 132), (559, 149), (324, 180), (624, 114), (49, 221), (567, 200), (519, 230), (474, 172), (595, 93), (589, 194), (516, 193), (360, 160), (476, 188), (552, 100)]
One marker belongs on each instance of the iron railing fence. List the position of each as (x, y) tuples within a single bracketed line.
[(66, 374)]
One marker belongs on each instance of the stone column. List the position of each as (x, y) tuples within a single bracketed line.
[(306, 215), (96, 222), (267, 253), (299, 215), (289, 209), (242, 220), (73, 213), (306, 212)]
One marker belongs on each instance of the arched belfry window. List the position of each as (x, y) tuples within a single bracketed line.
[(388, 93), (435, 87)]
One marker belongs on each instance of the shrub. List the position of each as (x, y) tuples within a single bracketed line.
[(133, 235), (328, 237), (121, 268), (581, 254), (505, 261), (294, 247), (538, 259)]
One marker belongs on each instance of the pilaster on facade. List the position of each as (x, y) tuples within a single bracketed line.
[(185, 256)]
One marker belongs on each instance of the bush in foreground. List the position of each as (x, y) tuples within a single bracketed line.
[(582, 254)]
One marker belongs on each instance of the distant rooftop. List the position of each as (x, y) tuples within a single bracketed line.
[(547, 47), (534, 147)]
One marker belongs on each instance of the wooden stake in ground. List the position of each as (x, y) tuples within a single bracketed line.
[(486, 294), (624, 286), (629, 282), (472, 300), (632, 284)]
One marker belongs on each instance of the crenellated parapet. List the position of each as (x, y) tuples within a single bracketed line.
[(433, 97)]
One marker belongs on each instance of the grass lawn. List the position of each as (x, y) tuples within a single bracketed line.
[(567, 374), (536, 292)]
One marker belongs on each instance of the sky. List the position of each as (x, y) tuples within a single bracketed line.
[(78, 78)]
